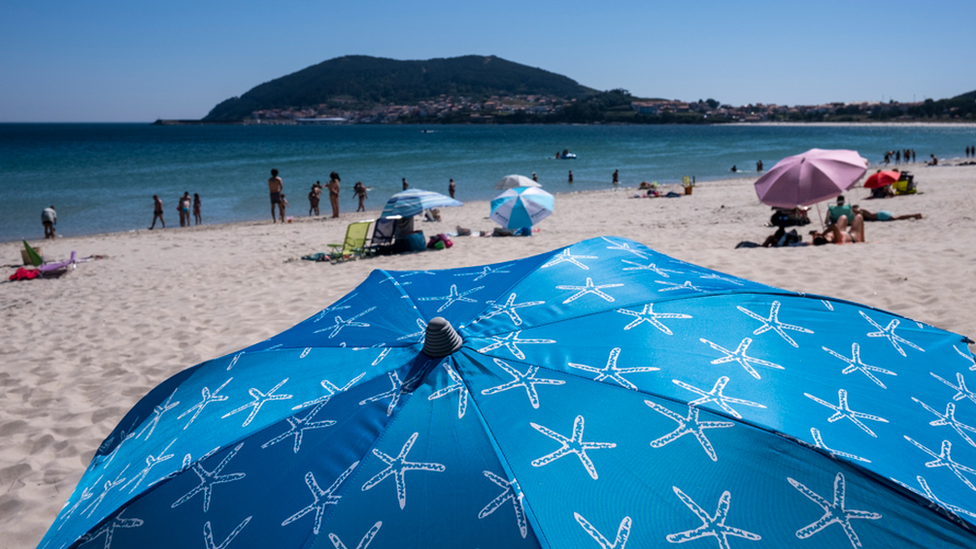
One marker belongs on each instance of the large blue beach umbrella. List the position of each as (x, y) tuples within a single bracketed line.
[(600, 395), (414, 201), (521, 207)]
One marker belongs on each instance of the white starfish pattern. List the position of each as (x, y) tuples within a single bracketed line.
[(457, 384), (949, 419), (511, 341), (421, 333), (209, 479), (712, 526), (649, 267), (944, 459), (157, 414), (331, 390), (151, 461), (842, 410), (834, 512), (716, 396), (106, 488), (739, 356), (568, 257), (928, 494), (508, 308), (968, 356), (363, 543), (398, 467), (612, 372), (648, 315), (854, 364), (625, 247), (688, 425), (233, 361), (208, 398), (961, 390), (385, 352), (208, 535), (620, 542), (818, 440), (713, 276), (571, 445), (510, 492), (485, 271), (773, 323), (111, 455), (827, 304), (687, 285), (351, 323), (320, 497), (526, 379), (337, 306), (393, 394), (888, 332), (109, 529), (589, 288), (453, 297), (260, 399), (298, 428), (86, 494)]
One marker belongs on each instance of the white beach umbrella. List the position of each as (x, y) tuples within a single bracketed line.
[(512, 181)]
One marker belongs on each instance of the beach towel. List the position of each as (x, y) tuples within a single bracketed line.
[(25, 274)]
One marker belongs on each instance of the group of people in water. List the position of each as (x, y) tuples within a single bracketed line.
[(184, 205)]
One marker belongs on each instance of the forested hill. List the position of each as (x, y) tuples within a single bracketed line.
[(367, 80)]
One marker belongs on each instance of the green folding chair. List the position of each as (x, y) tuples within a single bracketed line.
[(354, 243)]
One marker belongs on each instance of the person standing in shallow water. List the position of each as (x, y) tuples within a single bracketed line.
[(275, 186), (198, 219), (334, 193), (616, 178), (451, 188), (570, 176), (359, 191), (405, 184)]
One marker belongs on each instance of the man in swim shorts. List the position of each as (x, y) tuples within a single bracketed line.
[(275, 186), (49, 218), (882, 215)]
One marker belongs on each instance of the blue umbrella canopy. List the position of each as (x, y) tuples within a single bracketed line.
[(414, 201), (600, 395), (521, 207)]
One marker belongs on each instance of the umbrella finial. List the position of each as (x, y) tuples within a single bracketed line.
[(441, 339)]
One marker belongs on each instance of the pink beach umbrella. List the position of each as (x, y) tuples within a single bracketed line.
[(811, 177)]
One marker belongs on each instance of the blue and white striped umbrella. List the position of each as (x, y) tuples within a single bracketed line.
[(601, 395), (414, 201), (521, 207)]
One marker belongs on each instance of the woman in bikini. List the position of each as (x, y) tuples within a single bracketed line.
[(837, 233)]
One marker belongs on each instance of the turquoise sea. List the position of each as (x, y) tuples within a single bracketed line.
[(101, 177)]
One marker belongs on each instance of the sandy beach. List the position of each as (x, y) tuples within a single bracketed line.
[(78, 351)]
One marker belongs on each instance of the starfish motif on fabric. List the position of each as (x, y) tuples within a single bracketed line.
[(968, 356), (730, 280), (350, 323), (392, 394), (687, 285), (337, 306), (298, 426), (485, 271), (827, 304), (949, 419), (842, 410), (397, 467), (363, 543), (260, 399), (712, 526), (612, 372), (818, 440), (111, 455), (649, 267), (568, 257), (510, 492), (321, 498), (208, 398), (331, 391), (620, 542), (888, 332), (457, 384), (151, 461), (854, 364), (526, 379), (209, 479), (511, 341), (625, 247), (157, 414), (648, 315), (109, 529), (106, 488), (944, 459), (716, 396), (453, 297), (928, 494), (571, 445), (86, 494), (208, 538), (961, 390), (834, 512), (589, 288), (421, 333), (773, 323), (739, 356), (509, 308), (688, 425)]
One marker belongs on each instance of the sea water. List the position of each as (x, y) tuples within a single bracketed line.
[(101, 177)]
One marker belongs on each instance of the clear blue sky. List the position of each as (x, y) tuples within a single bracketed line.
[(111, 60)]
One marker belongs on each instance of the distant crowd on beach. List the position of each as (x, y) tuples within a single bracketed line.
[(184, 205), (276, 188)]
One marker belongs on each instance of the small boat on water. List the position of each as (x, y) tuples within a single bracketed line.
[(566, 155)]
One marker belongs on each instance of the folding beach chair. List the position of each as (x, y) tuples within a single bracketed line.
[(383, 234), (354, 243), (45, 268)]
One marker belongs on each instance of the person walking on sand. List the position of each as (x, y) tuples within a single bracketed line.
[(334, 193), (405, 184), (198, 219), (451, 188), (359, 191), (157, 212), (275, 186), (49, 218)]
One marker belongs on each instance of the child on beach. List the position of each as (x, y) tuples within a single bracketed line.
[(359, 191), (282, 204), (313, 199), (196, 209)]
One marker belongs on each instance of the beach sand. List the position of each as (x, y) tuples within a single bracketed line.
[(77, 352)]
